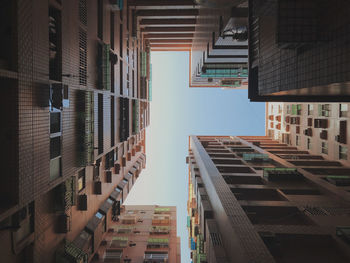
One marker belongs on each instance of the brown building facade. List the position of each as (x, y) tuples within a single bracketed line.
[(75, 105), (254, 199), (298, 51), (142, 233)]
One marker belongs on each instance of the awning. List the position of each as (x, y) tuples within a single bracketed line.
[(114, 195), (94, 222), (106, 206)]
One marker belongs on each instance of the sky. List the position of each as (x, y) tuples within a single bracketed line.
[(178, 111)]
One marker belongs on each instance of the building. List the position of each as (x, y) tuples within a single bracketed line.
[(254, 199), (219, 52), (214, 34), (75, 105), (298, 50), (320, 128), (142, 233)]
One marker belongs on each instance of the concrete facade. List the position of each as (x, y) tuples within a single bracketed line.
[(250, 201)]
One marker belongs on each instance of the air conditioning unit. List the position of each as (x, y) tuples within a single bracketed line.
[(108, 175), (337, 138), (123, 162), (98, 188), (82, 202), (116, 168)]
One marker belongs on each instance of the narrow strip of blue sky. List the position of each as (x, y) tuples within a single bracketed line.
[(178, 111)]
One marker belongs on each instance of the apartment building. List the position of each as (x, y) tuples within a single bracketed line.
[(219, 52), (255, 199), (298, 50), (142, 233), (214, 33), (320, 128), (75, 104)]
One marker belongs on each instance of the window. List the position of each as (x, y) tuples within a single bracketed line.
[(308, 144), (55, 49), (121, 40), (100, 123), (324, 110), (343, 152), (155, 256), (159, 230), (112, 122), (324, 147), (160, 219), (82, 57), (343, 110), (296, 109), (297, 140), (112, 29), (124, 229), (81, 180), (288, 109), (158, 243), (295, 120), (7, 34), (55, 147), (310, 109), (100, 19), (119, 242), (55, 122)]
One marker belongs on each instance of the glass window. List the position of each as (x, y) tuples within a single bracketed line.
[(343, 152), (343, 110), (99, 215), (81, 180), (310, 109), (324, 147), (288, 109), (297, 140), (324, 110), (308, 143)]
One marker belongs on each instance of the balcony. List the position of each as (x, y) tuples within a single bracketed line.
[(304, 248), (276, 215), (282, 174), (257, 194), (155, 257), (339, 180), (104, 66), (113, 255), (255, 157), (157, 243), (159, 230), (119, 242), (161, 220)]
